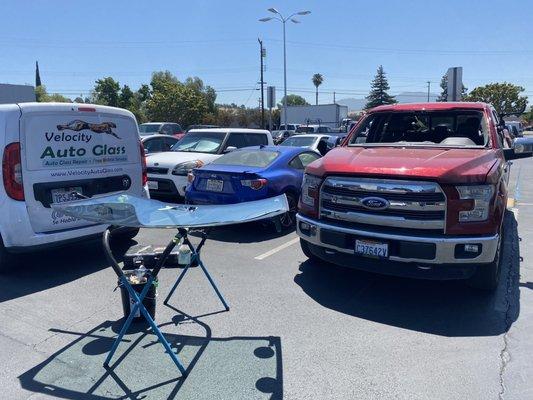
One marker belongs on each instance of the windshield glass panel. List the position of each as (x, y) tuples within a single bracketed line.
[(149, 128), (248, 158), (456, 128), (200, 142), (299, 141)]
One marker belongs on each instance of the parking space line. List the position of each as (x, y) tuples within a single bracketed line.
[(276, 249)]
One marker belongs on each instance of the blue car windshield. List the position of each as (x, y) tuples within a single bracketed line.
[(248, 158)]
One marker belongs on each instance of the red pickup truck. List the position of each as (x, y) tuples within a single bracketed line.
[(416, 190)]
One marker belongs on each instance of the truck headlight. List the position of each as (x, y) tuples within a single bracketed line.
[(482, 195), (184, 168), (310, 185)]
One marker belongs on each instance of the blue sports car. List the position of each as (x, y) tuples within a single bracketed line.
[(252, 173)]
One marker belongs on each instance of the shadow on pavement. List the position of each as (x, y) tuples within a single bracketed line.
[(35, 272), (447, 308), (251, 232), (230, 368)]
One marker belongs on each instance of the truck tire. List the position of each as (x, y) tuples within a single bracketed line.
[(487, 276), (7, 261)]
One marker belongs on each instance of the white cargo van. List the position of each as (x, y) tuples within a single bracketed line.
[(51, 150)]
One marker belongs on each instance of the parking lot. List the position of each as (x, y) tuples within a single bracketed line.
[(295, 330)]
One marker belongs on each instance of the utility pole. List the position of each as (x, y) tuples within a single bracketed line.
[(429, 86), (261, 56), (334, 98)]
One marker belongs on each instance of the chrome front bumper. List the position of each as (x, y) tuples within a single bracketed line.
[(445, 247)]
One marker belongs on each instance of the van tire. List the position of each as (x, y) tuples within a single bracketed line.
[(7, 261), (487, 276)]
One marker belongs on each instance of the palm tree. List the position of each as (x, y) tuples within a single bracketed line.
[(317, 81)]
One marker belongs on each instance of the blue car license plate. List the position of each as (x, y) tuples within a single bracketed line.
[(215, 185)]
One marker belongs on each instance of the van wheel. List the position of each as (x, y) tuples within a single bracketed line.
[(487, 276), (125, 235), (7, 261)]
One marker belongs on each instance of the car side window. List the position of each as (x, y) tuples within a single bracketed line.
[(237, 140), (176, 128), (166, 129), (153, 145), (256, 139), (168, 143), (303, 160)]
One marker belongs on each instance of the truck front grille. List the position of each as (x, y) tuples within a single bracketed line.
[(406, 204)]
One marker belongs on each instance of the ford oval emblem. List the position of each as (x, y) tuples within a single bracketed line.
[(375, 203)]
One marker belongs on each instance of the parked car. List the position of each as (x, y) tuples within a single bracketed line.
[(252, 173), (50, 152), (335, 140), (418, 190), (158, 143), (191, 127), (515, 128), (167, 171), (162, 128), (313, 129), (318, 143), (279, 136)]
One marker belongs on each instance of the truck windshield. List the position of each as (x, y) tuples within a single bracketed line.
[(456, 128)]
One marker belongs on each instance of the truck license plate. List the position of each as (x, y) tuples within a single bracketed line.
[(215, 185), (371, 249), (63, 195), (154, 185)]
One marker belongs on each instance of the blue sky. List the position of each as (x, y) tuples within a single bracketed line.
[(415, 40)]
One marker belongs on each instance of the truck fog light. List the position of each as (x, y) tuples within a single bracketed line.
[(471, 248), (307, 229)]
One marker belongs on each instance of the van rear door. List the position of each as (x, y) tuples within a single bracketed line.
[(64, 148)]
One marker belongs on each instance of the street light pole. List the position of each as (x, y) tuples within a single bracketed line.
[(284, 77), (283, 20)]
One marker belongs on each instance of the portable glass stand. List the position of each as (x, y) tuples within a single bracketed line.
[(131, 211)]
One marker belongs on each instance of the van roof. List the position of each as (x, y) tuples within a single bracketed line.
[(36, 107), (230, 130)]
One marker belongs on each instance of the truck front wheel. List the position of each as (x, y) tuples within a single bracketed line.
[(487, 276)]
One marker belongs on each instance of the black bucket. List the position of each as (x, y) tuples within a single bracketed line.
[(149, 300)]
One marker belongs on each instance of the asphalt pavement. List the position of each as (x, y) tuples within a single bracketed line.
[(295, 330)]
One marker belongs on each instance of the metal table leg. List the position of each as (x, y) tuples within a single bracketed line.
[(138, 305), (195, 257)]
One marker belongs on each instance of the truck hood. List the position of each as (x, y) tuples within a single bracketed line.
[(445, 165), (169, 159)]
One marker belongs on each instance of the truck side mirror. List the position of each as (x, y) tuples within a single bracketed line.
[(522, 148)]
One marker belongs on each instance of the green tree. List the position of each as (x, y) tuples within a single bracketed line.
[(126, 98), (505, 97), (378, 91), (106, 92), (161, 78), (175, 102), (444, 89), (41, 95), (294, 100), (317, 80)]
